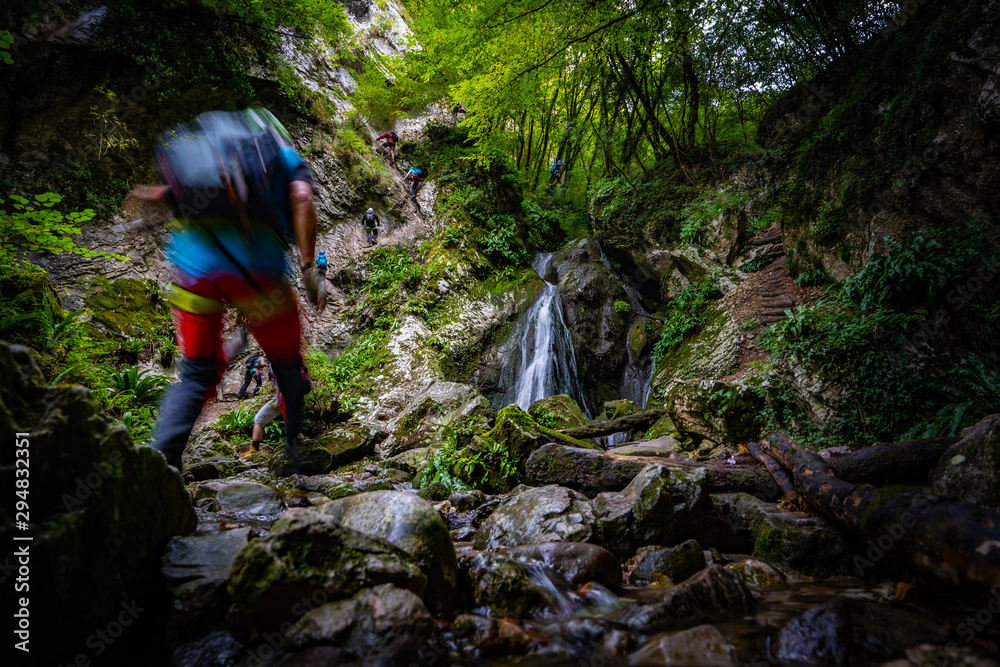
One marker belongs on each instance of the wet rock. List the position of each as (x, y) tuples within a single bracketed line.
[(758, 574), (494, 636), (411, 524), (365, 624), (654, 508), (586, 470), (809, 544), (850, 631), (314, 458), (463, 534), (579, 563), (215, 649), (331, 486), (521, 435), (371, 485), (348, 443), (695, 263), (711, 353), (559, 411), (664, 445), (434, 492), (677, 563), (309, 557), (248, 498), (621, 407), (428, 416), (969, 469), (712, 592), (501, 585), (545, 514), (700, 646), (413, 460), (196, 569), (102, 510), (465, 501), (459, 519)]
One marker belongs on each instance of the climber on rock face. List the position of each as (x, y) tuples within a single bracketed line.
[(371, 224), (413, 177), (391, 139)]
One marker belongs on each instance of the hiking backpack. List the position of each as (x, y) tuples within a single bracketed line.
[(415, 173), (221, 166), (394, 137)]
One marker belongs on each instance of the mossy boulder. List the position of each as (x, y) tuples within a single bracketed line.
[(411, 524), (129, 307), (808, 544), (366, 624), (412, 460), (331, 486), (544, 514), (520, 435), (970, 470), (711, 353), (102, 510), (585, 470), (758, 574), (721, 413), (620, 408), (309, 556), (348, 443), (434, 492), (713, 592), (558, 411), (314, 457), (433, 414)]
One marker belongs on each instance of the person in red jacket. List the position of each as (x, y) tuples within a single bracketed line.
[(391, 139)]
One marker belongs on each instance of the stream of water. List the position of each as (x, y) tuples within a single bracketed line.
[(547, 360)]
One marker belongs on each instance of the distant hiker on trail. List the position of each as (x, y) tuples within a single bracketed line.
[(240, 193), (371, 223), (556, 170), (456, 110), (256, 369), (391, 139), (321, 262), (414, 178)]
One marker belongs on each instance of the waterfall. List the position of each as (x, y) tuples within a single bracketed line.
[(547, 360), (638, 377)]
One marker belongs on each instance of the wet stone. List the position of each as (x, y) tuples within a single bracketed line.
[(465, 501), (677, 563)]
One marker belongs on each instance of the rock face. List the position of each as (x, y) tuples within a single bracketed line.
[(709, 354), (805, 543), (366, 624), (720, 413), (426, 419), (657, 504), (101, 509), (307, 559), (411, 524), (969, 469), (196, 569), (501, 584), (711, 592)]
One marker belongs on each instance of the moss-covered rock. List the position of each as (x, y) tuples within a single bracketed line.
[(558, 411), (969, 469), (808, 544), (129, 307), (758, 574), (434, 492), (584, 470), (520, 435), (543, 514), (501, 585), (307, 556), (713, 592), (711, 353), (101, 510), (620, 408), (348, 443), (434, 413), (331, 486), (411, 524), (721, 413)]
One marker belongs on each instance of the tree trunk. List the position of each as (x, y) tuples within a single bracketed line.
[(643, 419), (952, 544), (779, 474), (908, 462)]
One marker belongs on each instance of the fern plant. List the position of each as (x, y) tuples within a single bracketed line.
[(144, 387)]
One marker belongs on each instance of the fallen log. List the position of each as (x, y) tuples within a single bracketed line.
[(641, 420), (953, 544), (779, 474), (907, 462), (593, 471)]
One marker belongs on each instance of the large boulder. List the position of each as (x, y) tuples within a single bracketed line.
[(579, 563), (309, 558), (712, 353), (365, 624), (806, 543), (544, 514), (584, 470), (430, 415), (558, 411), (654, 508), (411, 524), (240, 497), (713, 592), (102, 510), (695, 263), (349, 442), (970, 470), (519, 434), (675, 563), (502, 585), (196, 569), (721, 413), (697, 646)]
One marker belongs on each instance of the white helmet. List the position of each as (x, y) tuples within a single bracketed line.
[(370, 210)]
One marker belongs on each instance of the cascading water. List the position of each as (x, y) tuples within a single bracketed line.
[(638, 377), (547, 359)]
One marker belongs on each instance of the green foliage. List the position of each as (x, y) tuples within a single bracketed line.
[(238, 422), (38, 227), (441, 467), (145, 387), (971, 391), (490, 468), (501, 242), (750, 324), (755, 265), (621, 306), (6, 41), (696, 217), (686, 314), (817, 277)]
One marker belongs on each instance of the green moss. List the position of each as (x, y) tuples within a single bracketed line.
[(129, 307)]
